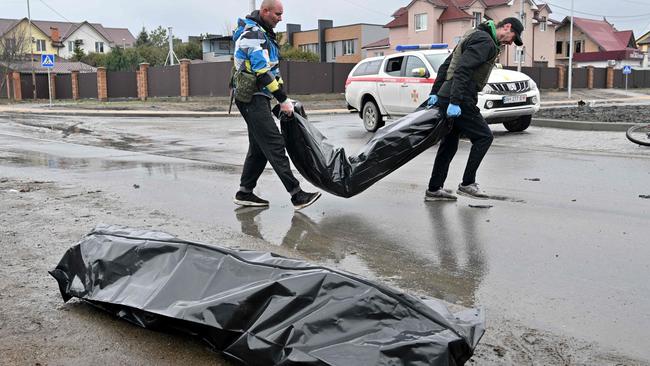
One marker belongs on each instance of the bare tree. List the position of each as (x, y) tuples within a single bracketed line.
[(12, 51)]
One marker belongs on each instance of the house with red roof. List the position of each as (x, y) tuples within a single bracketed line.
[(596, 43), (59, 38), (445, 21)]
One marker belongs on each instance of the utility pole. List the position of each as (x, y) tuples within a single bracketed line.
[(570, 71), (31, 51), (520, 49), (171, 55), (252, 5)]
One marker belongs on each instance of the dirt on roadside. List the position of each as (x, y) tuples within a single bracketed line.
[(193, 104), (41, 219), (610, 113)]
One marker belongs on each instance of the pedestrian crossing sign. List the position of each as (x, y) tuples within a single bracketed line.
[(627, 69), (47, 60)]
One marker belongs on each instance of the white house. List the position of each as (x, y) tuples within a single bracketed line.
[(90, 37)]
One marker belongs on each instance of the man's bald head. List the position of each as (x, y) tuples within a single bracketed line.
[(271, 12)]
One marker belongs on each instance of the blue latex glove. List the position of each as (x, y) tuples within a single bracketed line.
[(433, 99), (453, 110)]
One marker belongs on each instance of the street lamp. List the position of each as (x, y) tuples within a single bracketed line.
[(570, 53), (31, 51)]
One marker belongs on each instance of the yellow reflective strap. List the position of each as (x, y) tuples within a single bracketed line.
[(273, 86), (262, 71)]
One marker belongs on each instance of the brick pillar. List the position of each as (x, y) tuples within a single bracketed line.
[(610, 77), (75, 85), (561, 76), (102, 88), (143, 81), (18, 94), (53, 85), (590, 77), (185, 79)]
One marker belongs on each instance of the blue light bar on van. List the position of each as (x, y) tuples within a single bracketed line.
[(410, 47)]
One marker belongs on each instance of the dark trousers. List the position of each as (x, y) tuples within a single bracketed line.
[(471, 124), (265, 143)]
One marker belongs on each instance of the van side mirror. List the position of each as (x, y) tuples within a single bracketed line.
[(420, 72), (498, 65)]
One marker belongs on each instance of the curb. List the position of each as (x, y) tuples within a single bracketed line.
[(159, 114), (582, 125)]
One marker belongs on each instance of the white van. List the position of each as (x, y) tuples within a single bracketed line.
[(395, 85)]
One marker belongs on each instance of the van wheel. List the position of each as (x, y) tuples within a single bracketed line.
[(372, 118), (519, 124)]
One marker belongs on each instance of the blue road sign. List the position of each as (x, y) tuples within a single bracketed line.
[(47, 60), (627, 70)]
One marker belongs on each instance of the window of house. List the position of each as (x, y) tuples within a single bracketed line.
[(542, 25), (224, 46), (40, 45), (476, 20), (70, 46), (420, 22), (99, 47), (11, 45), (394, 66), (310, 47), (568, 49), (577, 47), (348, 47), (380, 53), (519, 52), (558, 47)]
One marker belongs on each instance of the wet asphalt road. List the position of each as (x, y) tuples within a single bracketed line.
[(563, 247)]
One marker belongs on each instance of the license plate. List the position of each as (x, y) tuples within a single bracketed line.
[(509, 99)]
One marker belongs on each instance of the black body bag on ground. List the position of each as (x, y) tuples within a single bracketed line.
[(259, 308), (329, 168)]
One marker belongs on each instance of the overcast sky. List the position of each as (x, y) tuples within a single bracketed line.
[(193, 17)]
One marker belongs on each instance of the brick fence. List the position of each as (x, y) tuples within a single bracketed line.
[(211, 79)]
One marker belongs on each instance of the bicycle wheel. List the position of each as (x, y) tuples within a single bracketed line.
[(639, 134)]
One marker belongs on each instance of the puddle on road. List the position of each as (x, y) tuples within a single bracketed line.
[(23, 159)]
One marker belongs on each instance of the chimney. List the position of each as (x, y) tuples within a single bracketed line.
[(56, 37)]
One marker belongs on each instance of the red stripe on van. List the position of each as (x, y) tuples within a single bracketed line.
[(389, 80)]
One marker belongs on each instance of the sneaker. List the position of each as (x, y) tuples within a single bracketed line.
[(303, 199), (439, 195), (249, 199), (472, 190)]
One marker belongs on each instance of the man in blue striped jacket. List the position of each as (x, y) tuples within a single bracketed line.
[(257, 53)]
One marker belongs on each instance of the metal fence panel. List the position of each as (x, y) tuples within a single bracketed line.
[(26, 86), (619, 80), (548, 78), (88, 85), (341, 72), (600, 78), (579, 78), (122, 84), (309, 77), (63, 86), (210, 79), (7, 84), (164, 81)]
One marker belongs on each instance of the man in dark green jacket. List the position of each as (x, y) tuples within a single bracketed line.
[(459, 79)]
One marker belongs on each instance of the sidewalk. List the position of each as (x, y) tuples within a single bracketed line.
[(315, 104)]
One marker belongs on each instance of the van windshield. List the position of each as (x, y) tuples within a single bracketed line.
[(436, 60)]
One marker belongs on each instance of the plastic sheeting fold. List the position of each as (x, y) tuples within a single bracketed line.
[(260, 308), (329, 168)]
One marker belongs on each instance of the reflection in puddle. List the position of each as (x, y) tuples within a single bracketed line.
[(450, 266)]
